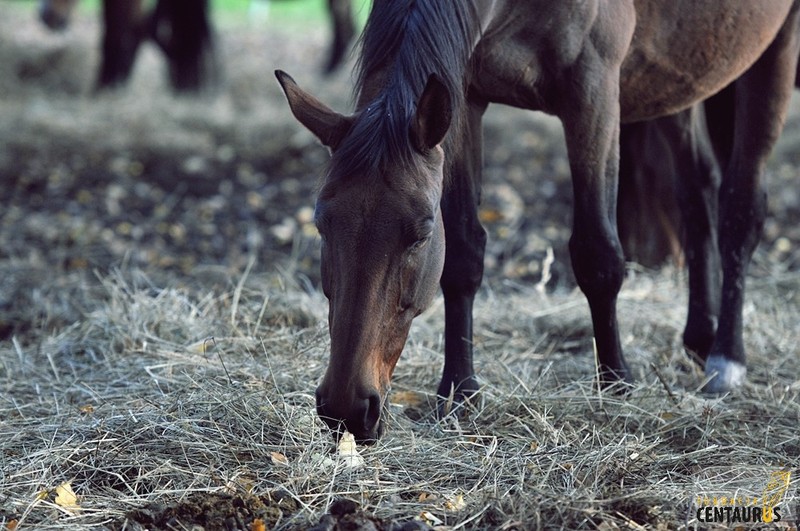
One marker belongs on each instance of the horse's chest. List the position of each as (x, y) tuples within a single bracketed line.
[(521, 67), (542, 48), (510, 75)]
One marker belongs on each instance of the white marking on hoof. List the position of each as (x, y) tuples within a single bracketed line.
[(725, 374)]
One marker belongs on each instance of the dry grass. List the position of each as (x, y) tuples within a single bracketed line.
[(134, 404)]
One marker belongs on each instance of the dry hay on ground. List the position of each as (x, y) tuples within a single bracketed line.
[(168, 407), (114, 386)]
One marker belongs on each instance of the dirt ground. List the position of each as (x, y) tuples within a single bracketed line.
[(188, 189)]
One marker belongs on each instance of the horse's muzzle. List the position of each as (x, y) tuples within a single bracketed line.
[(359, 414)]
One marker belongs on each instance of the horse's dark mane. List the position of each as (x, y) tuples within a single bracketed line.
[(405, 41)]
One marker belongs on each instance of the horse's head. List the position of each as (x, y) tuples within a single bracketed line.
[(382, 248), (56, 13)]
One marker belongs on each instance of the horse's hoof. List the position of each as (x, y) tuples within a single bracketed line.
[(622, 385), (698, 337), (617, 381), (724, 375), (455, 401), (617, 387)]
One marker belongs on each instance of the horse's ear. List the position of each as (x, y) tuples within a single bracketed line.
[(328, 125), (434, 114)]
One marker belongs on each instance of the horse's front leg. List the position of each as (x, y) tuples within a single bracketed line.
[(591, 119), (463, 264), (121, 40)]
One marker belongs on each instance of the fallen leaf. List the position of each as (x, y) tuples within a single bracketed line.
[(203, 346), (279, 459), (240, 483), (407, 398), (347, 444), (489, 215), (348, 452), (66, 497), (429, 518), (607, 525), (258, 525), (304, 419), (322, 460), (455, 504), (427, 497)]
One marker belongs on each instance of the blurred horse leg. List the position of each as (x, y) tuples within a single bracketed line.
[(648, 219), (343, 29), (123, 33), (184, 33)]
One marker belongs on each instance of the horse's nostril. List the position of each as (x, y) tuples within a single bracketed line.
[(373, 413)]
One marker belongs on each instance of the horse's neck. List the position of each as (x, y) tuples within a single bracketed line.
[(487, 10), (371, 87), (428, 38)]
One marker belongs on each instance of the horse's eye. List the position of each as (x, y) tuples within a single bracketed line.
[(418, 233), (420, 243)]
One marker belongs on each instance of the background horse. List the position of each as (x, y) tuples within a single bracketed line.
[(394, 188), (182, 30), (648, 216), (184, 33)]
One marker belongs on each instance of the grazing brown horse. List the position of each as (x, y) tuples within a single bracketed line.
[(405, 167)]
